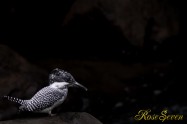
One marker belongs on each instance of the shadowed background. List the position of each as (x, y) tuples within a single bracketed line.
[(129, 54)]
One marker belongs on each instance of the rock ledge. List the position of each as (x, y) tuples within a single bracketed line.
[(65, 118)]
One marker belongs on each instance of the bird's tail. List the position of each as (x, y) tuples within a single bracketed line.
[(14, 99)]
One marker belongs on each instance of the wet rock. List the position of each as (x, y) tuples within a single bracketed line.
[(65, 118)]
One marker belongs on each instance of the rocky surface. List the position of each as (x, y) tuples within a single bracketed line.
[(65, 118), (18, 78)]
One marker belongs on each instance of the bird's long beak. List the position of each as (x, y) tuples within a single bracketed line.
[(80, 85)]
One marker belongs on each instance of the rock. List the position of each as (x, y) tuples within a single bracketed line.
[(131, 16), (18, 78), (65, 118), (18, 75)]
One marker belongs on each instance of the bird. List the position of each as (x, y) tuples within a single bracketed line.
[(51, 96)]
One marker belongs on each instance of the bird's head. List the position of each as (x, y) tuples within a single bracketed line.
[(62, 78)]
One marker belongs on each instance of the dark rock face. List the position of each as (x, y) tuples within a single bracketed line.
[(131, 16), (17, 74), (17, 78), (65, 118), (89, 22)]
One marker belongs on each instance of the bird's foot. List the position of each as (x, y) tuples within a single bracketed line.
[(51, 114)]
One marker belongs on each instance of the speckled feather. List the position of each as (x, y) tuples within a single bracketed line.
[(44, 98)]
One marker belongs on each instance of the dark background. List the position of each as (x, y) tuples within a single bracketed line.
[(124, 70)]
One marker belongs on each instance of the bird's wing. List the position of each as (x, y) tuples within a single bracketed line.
[(45, 98)]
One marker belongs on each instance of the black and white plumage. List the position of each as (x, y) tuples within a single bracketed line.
[(46, 99), (59, 75)]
